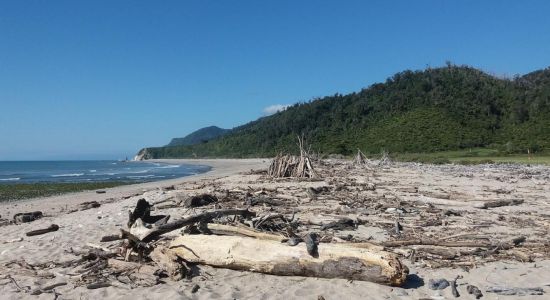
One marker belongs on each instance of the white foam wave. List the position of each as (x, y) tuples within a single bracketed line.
[(168, 167), (68, 175), (139, 172), (144, 176), (93, 171), (10, 179)]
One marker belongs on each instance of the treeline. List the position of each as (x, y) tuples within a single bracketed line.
[(447, 108)]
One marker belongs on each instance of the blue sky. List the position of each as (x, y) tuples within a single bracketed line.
[(101, 79)]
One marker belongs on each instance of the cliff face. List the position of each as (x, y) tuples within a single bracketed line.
[(143, 154)]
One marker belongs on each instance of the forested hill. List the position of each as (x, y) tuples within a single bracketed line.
[(447, 108), (202, 135)]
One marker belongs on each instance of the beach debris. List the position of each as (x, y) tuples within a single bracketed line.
[(168, 261), (143, 211), (200, 200), (100, 192), (50, 228), (474, 290), (454, 290), (498, 203), (346, 197), (360, 159), (398, 227), (148, 233), (336, 260), (169, 188), (47, 288), (294, 240), (291, 165), (312, 241), (271, 222), (385, 159), (342, 224), (19, 239), (111, 237), (438, 284), (98, 285), (253, 201), (514, 291), (89, 205), (195, 288), (221, 229), (27, 217)]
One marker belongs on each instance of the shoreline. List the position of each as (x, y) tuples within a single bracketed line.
[(370, 194), (68, 201)]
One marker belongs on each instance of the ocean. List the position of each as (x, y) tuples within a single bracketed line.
[(92, 171)]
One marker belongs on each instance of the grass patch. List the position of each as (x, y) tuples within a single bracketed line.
[(19, 191)]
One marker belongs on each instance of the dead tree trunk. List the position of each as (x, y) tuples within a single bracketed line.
[(272, 257)]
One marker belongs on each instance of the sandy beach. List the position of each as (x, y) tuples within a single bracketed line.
[(418, 189)]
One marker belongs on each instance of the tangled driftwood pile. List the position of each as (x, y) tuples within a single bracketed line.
[(291, 165)]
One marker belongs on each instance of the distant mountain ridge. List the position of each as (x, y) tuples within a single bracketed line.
[(202, 135), (437, 109)]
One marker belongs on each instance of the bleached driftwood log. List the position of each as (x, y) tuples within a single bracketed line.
[(272, 257), (221, 229)]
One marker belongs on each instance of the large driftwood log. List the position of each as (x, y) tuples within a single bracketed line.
[(272, 257)]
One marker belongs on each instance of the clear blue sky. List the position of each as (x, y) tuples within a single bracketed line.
[(101, 79)]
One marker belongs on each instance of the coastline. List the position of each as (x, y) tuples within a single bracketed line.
[(50, 205)]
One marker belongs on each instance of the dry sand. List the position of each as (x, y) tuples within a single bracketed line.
[(441, 187)]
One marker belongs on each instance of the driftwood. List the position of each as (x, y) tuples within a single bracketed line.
[(253, 201), (47, 288), (499, 203), (27, 217), (145, 234), (221, 229), (167, 260), (292, 166), (360, 159), (510, 291), (200, 200), (454, 290), (501, 246), (98, 285), (51, 228), (312, 241), (112, 237), (89, 204), (271, 257), (126, 266), (474, 290), (143, 211), (342, 224)]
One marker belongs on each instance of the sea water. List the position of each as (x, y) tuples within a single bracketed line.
[(92, 171)]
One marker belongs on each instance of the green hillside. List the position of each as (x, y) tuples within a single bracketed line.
[(202, 135), (439, 109)]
